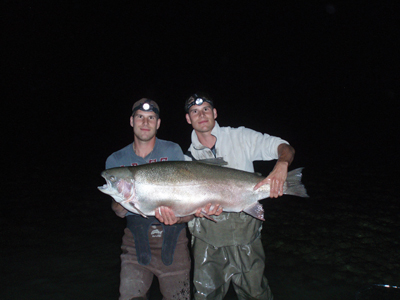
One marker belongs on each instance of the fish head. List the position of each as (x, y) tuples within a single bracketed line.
[(119, 184)]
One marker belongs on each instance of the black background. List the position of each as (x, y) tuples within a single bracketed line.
[(323, 75)]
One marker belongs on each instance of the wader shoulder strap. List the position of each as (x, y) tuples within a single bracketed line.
[(188, 153), (139, 227), (171, 234)]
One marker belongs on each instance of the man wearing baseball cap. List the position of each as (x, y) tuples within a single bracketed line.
[(143, 255)]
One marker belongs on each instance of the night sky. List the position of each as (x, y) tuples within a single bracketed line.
[(322, 75)]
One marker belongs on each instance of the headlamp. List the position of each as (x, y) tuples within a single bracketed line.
[(146, 106), (197, 101)]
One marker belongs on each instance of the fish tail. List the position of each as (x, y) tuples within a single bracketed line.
[(294, 185)]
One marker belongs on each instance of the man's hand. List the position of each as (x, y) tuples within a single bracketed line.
[(278, 176), (209, 210), (275, 179), (119, 210), (166, 215)]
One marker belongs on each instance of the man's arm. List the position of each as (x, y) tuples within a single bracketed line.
[(279, 174), (166, 215)]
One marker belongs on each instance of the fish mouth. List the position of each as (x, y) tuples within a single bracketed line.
[(118, 192), (106, 188), (103, 187)]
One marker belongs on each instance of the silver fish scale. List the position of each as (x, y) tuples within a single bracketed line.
[(186, 186)]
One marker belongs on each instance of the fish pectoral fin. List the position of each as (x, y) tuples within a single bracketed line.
[(255, 210), (207, 216), (138, 210)]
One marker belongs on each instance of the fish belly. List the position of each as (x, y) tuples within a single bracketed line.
[(185, 200)]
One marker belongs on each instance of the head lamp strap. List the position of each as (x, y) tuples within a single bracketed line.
[(146, 106), (198, 101)]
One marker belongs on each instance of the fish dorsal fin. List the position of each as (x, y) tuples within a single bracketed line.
[(219, 161), (255, 210)]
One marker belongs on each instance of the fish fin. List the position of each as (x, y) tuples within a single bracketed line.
[(294, 185), (138, 210), (207, 216), (219, 161), (255, 210)]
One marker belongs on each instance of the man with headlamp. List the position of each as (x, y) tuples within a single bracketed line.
[(147, 105), (230, 250), (143, 254)]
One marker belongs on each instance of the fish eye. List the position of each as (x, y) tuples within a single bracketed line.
[(112, 178)]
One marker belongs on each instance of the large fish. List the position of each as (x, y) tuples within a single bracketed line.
[(185, 186)]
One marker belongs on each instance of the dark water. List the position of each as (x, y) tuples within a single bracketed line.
[(60, 240)]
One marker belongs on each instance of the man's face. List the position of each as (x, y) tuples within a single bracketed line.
[(145, 124), (202, 117)]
